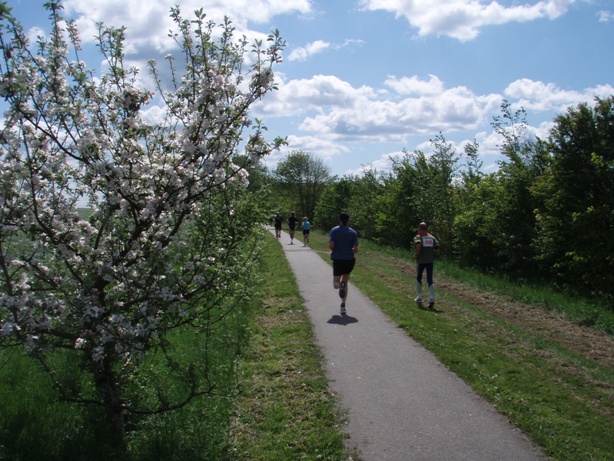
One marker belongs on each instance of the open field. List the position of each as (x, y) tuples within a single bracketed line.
[(549, 373)]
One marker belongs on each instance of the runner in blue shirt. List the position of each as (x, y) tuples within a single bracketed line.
[(306, 228), (343, 243)]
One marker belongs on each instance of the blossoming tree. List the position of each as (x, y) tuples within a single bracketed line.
[(168, 243)]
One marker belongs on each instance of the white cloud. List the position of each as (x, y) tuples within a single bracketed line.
[(148, 21), (154, 114), (319, 93), (381, 165), (332, 106), (605, 16), (332, 113), (34, 33), (463, 19), (326, 147), (318, 46), (350, 43), (413, 85), (143, 11), (539, 96), (367, 116), (303, 53)]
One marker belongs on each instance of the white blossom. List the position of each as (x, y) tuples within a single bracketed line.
[(143, 260)]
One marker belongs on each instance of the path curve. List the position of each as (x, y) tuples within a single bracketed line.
[(402, 404)]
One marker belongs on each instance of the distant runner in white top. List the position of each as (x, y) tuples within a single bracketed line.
[(426, 246)]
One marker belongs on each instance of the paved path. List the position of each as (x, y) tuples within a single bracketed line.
[(402, 403)]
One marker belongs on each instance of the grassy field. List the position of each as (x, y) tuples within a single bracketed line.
[(35, 426), (547, 363), (533, 368), (278, 407)]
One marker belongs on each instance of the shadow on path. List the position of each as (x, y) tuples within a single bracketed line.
[(342, 320)]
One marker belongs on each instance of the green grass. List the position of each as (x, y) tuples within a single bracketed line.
[(562, 399), (285, 411), (597, 314), (582, 311), (273, 405), (35, 426), (281, 409)]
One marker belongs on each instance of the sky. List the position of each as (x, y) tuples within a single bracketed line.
[(363, 80)]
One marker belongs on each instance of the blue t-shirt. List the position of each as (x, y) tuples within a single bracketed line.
[(344, 238)]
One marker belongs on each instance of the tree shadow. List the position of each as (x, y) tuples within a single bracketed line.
[(342, 320)]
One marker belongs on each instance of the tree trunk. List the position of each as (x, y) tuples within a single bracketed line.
[(110, 391)]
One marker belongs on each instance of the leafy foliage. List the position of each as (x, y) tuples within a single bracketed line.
[(496, 227), (334, 200), (576, 219), (302, 178)]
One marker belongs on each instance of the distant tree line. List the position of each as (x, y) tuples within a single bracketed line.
[(546, 214)]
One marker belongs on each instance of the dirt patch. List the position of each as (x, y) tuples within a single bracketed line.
[(583, 340), (588, 342), (550, 325)]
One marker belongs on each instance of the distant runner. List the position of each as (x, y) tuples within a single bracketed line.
[(306, 228), (426, 246), (292, 220), (277, 226)]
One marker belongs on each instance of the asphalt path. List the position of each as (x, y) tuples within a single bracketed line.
[(401, 403)]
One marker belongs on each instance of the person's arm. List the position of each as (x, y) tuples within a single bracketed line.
[(418, 248), (331, 245), (355, 248)]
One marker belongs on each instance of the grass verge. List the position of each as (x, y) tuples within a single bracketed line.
[(284, 411)]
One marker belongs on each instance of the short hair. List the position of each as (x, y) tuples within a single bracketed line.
[(423, 226), (344, 217)]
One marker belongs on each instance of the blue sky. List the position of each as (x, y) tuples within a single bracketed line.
[(364, 79)]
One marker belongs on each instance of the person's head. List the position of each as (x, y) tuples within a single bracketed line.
[(344, 218), (304, 218), (292, 213), (423, 227)]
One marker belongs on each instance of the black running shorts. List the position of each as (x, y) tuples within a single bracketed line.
[(343, 266)]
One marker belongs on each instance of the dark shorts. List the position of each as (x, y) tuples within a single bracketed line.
[(278, 226), (305, 231), (343, 266), (291, 227)]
